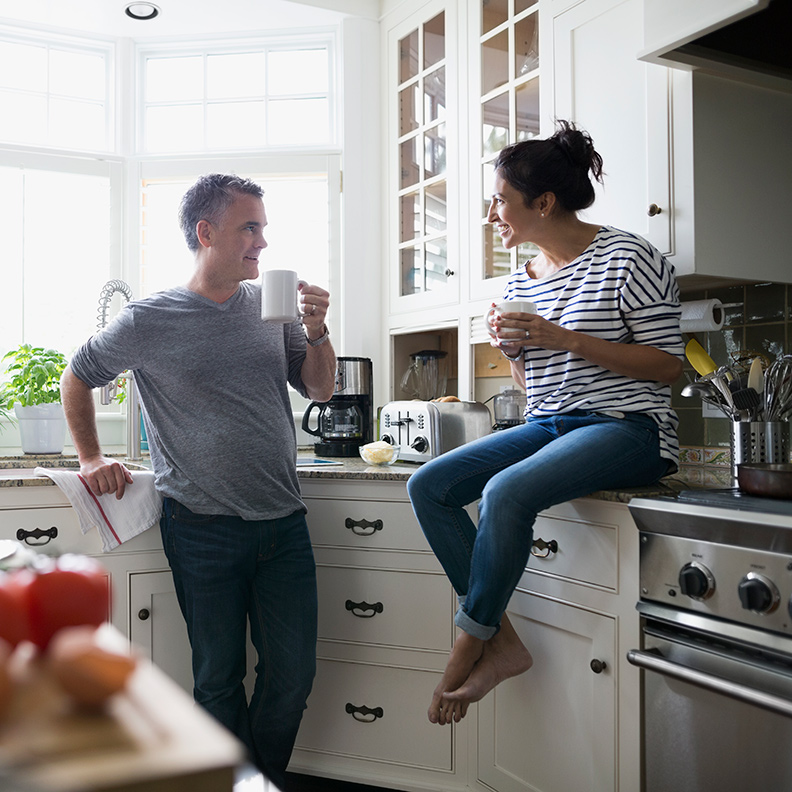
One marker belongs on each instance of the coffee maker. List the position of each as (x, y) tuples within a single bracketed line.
[(346, 421)]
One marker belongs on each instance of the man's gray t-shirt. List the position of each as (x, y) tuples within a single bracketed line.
[(212, 379)]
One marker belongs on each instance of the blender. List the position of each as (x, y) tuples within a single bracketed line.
[(344, 423), (427, 375)]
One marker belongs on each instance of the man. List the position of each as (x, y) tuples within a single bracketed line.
[(212, 377)]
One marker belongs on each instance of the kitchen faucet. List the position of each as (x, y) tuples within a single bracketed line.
[(108, 392)]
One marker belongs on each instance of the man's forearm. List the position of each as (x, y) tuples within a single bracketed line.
[(78, 405)]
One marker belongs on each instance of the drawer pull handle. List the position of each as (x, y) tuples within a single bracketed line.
[(375, 526), (37, 533), (363, 606), (542, 549), (364, 714)]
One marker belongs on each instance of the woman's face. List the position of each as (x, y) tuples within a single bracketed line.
[(513, 220)]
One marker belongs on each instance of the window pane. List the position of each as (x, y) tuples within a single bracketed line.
[(494, 62), (436, 264), (23, 66), (408, 56), (410, 216), (436, 207), (235, 125), (297, 72), (11, 201), (296, 122), (497, 261), (435, 151), (527, 96), (434, 40), (495, 124), (434, 96), (24, 118), (409, 109), (493, 13), (174, 79), (526, 45), (78, 125), (174, 128), (409, 168), (231, 76), (77, 74), (411, 269), (521, 5)]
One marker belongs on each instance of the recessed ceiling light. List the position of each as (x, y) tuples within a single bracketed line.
[(142, 10)]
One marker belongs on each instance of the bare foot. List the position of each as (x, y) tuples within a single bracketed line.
[(466, 652), (503, 656)]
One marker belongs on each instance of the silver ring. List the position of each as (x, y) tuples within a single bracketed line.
[(527, 333), (313, 310)]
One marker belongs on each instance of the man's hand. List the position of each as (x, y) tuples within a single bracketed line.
[(105, 475)]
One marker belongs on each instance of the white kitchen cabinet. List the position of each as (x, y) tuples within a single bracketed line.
[(697, 164), (385, 629), (572, 721)]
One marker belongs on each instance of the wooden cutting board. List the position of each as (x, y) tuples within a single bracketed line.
[(150, 738)]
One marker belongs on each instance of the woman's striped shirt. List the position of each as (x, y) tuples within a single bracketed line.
[(621, 289)]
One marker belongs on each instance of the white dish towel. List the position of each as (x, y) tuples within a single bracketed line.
[(116, 520)]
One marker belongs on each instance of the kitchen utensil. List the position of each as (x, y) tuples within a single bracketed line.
[(707, 392), (766, 479), (427, 375), (778, 389), (747, 400), (698, 358), (756, 375)]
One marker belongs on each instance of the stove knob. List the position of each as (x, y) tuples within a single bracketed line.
[(420, 444), (696, 581), (758, 593)]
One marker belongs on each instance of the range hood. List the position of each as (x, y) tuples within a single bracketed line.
[(743, 39)]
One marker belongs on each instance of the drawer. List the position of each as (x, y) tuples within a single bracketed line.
[(384, 607), (375, 713), (585, 552), (376, 525), (62, 532)]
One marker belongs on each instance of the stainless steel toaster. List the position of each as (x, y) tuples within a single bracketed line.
[(425, 429)]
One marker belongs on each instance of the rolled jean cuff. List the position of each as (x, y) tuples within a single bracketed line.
[(466, 624)]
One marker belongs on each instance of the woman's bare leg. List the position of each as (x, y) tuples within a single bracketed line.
[(503, 656), (463, 658)]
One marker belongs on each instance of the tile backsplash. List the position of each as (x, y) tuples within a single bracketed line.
[(757, 319)]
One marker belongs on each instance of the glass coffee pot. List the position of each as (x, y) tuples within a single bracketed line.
[(427, 375)]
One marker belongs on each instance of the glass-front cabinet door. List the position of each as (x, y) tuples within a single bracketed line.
[(506, 78), (422, 139)]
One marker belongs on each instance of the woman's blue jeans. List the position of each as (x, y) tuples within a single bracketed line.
[(517, 473), (228, 572)]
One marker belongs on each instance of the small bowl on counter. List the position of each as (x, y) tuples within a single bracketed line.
[(379, 453)]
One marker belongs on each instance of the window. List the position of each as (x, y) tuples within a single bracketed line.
[(55, 93), (251, 96), (60, 234)]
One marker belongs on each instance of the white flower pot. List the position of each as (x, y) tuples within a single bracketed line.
[(42, 428)]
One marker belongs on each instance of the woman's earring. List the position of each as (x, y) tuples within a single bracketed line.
[(542, 214)]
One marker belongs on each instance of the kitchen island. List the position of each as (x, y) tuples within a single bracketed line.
[(386, 627)]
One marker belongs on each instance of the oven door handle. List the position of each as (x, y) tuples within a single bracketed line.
[(654, 661)]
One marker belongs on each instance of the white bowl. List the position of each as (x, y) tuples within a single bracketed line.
[(379, 453)]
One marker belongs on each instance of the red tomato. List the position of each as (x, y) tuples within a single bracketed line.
[(14, 624), (73, 591)]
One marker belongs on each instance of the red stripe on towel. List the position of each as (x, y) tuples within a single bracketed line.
[(98, 505)]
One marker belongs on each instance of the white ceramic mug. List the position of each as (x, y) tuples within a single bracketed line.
[(279, 295), (509, 306)]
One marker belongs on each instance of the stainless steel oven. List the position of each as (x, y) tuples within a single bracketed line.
[(716, 651)]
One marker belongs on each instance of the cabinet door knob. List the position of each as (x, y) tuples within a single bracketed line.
[(361, 609), (598, 666), (364, 714), (448, 273), (48, 534), (143, 614), (654, 209)]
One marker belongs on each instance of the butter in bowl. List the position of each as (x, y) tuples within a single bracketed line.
[(379, 453)]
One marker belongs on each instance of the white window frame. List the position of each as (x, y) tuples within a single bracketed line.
[(264, 44)]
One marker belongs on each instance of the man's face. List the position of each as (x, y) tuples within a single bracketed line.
[(238, 238)]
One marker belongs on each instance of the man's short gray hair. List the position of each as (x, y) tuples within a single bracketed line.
[(208, 199)]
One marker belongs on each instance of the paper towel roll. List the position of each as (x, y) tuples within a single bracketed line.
[(701, 316)]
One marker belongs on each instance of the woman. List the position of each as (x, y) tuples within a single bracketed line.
[(597, 361)]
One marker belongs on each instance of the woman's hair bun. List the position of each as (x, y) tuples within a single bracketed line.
[(578, 147)]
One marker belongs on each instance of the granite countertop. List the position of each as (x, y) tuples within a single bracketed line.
[(17, 471)]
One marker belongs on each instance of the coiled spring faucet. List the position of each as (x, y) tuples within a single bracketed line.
[(109, 391)]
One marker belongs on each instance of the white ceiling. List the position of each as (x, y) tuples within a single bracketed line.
[(183, 17)]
